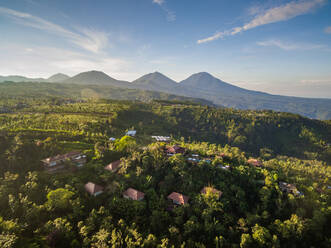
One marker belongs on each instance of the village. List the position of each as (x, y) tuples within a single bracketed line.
[(60, 162)]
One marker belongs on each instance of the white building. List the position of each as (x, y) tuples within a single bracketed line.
[(161, 138), (131, 133)]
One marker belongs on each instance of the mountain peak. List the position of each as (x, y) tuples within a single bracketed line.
[(58, 77), (202, 75), (154, 76), (155, 81), (95, 77)]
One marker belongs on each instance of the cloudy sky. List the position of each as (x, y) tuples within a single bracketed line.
[(276, 46)]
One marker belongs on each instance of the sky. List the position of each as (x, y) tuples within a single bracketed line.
[(276, 46)]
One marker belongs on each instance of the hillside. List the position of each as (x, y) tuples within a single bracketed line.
[(205, 86), (83, 92), (260, 133), (95, 78), (154, 81), (220, 199), (59, 77)]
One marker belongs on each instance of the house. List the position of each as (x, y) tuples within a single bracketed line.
[(255, 162), (133, 194), (175, 150), (206, 190), (93, 189), (178, 199), (289, 188), (58, 162), (226, 167), (161, 138), (131, 133), (113, 166), (193, 160)]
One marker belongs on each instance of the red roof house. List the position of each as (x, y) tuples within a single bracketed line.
[(175, 149), (113, 166), (178, 198), (133, 194), (206, 190), (255, 162), (93, 189)]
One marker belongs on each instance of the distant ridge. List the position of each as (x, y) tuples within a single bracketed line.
[(16, 78), (154, 81), (205, 86), (59, 77), (95, 78)]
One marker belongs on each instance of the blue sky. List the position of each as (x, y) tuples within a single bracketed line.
[(280, 47)]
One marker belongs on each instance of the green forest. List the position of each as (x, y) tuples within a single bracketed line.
[(41, 209)]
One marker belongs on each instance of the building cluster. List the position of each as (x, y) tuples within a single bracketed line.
[(174, 198), (77, 158), (289, 188), (58, 162)]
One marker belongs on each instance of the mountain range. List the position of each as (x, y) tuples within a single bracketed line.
[(200, 85), (59, 77)]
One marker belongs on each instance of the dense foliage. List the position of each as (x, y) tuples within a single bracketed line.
[(39, 209)]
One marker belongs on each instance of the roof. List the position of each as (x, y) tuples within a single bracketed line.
[(62, 157), (255, 162), (133, 194), (93, 188), (161, 138), (180, 198), (176, 149), (205, 190), (131, 132), (113, 165)]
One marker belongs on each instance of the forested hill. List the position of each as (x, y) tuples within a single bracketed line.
[(220, 199), (199, 85), (259, 133), (83, 92)]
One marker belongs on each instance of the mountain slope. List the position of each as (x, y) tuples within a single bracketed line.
[(204, 86), (154, 81), (76, 91), (59, 77), (95, 78), (16, 78), (208, 87)]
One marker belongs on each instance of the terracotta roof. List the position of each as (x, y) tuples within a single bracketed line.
[(255, 162), (175, 149), (133, 194), (178, 198), (62, 157), (93, 188), (211, 189), (113, 165)]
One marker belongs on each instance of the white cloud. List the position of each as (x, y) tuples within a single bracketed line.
[(88, 39), (42, 61), (316, 81), (272, 15), (290, 46), (159, 2), (171, 15), (328, 30)]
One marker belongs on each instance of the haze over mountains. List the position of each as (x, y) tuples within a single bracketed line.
[(200, 85)]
